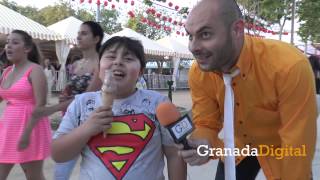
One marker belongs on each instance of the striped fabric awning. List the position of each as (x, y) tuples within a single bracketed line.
[(181, 50), (10, 20), (68, 28)]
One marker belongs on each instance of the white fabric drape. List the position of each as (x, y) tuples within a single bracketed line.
[(176, 63), (62, 51)]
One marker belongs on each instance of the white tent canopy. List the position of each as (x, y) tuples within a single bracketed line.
[(68, 28), (151, 47), (180, 49), (10, 20), (181, 52)]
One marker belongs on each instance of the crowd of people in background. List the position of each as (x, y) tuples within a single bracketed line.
[(26, 86)]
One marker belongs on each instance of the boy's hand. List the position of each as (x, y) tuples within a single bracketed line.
[(63, 98), (99, 121)]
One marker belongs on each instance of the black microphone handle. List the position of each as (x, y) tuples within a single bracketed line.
[(186, 146)]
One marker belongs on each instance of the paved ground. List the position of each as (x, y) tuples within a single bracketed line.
[(205, 172)]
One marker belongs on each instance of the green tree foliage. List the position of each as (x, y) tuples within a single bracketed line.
[(250, 12), (109, 21), (145, 29), (309, 16), (84, 15), (12, 5), (52, 14), (148, 31), (49, 14), (27, 11), (274, 12)]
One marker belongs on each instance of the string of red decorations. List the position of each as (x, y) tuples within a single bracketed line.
[(158, 26), (175, 24), (132, 3), (158, 15), (251, 26), (153, 12)]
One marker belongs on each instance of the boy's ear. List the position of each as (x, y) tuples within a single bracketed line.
[(141, 72), (97, 39)]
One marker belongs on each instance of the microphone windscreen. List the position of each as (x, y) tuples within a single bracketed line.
[(167, 113)]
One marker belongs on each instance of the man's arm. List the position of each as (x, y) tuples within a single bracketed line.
[(205, 109), (206, 117), (298, 113)]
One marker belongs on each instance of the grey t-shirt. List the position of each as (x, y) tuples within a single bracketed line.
[(132, 149)]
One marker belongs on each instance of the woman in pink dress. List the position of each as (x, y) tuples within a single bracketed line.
[(24, 138)]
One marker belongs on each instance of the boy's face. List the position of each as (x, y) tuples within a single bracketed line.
[(125, 66)]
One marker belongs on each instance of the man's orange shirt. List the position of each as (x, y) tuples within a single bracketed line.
[(275, 104)]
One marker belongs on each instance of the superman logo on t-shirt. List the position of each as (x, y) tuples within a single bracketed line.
[(124, 142)]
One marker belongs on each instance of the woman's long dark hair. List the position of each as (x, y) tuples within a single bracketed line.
[(34, 55), (96, 31), (4, 60)]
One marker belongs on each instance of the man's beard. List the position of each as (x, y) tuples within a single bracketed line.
[(223, 57)]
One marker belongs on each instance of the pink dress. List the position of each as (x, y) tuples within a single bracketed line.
[(20, 104)]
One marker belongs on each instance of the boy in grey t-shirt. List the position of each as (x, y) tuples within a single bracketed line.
[(136, 143)]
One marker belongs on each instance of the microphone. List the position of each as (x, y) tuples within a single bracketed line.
[(179, 127)]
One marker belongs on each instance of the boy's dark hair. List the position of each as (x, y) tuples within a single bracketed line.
[(96, 31), (129, 44), (34, 55)]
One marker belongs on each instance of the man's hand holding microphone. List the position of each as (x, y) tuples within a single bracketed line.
[(179, 128)]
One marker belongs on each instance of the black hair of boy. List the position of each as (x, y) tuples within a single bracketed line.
[(132, 45)]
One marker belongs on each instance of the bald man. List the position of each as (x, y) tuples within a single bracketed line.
[(274, 103)]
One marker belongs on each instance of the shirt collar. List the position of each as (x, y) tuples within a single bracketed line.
[(245, 59)]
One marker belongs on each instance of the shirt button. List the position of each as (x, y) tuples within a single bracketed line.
[(240, 122), (237, 104)]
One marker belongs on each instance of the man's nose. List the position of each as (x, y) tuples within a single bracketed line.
[(194, 46), (78, 36)]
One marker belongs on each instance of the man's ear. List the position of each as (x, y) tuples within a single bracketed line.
[(238, 28)]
